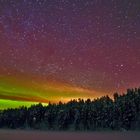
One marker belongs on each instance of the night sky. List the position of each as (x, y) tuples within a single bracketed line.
[(53, 50)]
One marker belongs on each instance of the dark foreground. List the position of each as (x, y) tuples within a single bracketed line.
[(42, 135), (104, 113)]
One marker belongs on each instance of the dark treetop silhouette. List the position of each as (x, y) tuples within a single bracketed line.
[(120, 113)]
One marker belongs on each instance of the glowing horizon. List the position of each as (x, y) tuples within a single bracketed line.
[(19, 88), (16, 104)]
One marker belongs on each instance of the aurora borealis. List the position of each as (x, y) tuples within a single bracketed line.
[(58, 50)]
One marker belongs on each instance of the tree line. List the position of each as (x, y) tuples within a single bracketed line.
[(120, 113)]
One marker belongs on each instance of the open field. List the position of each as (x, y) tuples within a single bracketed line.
[(45, 135)]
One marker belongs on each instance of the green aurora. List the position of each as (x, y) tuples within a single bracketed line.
[(4, 104), (17, 90)]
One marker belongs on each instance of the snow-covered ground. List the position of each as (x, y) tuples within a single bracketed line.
[(45, 135)]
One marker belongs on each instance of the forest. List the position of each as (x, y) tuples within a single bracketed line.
[(122, 112)]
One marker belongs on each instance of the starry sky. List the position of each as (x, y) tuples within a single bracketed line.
[(53, 50)]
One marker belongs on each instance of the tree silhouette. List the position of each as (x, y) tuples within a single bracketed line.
[(121, 112)]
